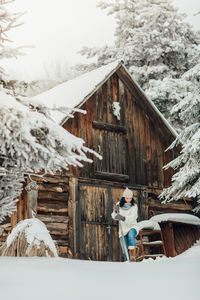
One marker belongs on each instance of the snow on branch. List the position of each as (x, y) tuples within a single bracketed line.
[(30, 141), (186, 180)]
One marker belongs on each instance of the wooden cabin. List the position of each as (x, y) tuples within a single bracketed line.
[(126, 128)]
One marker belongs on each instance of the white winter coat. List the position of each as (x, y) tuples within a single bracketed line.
[(131, 216)]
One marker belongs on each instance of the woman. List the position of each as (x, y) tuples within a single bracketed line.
[(126, 210)]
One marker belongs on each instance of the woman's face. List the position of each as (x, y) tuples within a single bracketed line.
[(128, 199)]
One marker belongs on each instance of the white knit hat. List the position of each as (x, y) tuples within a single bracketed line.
[(127, 193)]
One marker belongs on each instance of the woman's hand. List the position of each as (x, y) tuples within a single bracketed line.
[(120, 218)]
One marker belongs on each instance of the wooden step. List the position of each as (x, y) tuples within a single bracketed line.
[(153, 243), (156, 242), (154, 255), (150, 256)]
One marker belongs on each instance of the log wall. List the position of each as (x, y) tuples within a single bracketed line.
[(52, 209)]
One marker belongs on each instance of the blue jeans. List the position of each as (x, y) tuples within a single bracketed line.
[(129, 240)]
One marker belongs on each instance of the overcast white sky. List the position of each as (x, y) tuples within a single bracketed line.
[(58, 29)]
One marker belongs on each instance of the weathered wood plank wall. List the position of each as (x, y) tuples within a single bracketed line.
[(178, 237), (133, 146)]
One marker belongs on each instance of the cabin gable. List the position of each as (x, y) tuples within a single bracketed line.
[(133, 147)]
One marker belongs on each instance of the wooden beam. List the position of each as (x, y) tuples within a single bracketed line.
[(56, 196), (109, 127), (20, 206), (180, 206), (144, 204), (73, 214), (32, 203), (13, 219), (53, 219), (51, 208), (59, 227), (112, 176), (168, 237), (51, 179)]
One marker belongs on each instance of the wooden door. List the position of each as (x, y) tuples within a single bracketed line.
[(98, 233), (94, 222)]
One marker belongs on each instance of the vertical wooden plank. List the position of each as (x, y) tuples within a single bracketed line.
[(168, 236), (95, 143), (99, 110), (13, 220), (25, 196), (154, 160), (129, 140), (107, 149), (105, 102), (107, 94), (124, 154), (137, 146), (88, 121), (115, 87), (20, 209), (115, 94), (160, 163), (110, 151), (143, 156), (122, 102), (148, 149), (168, 173), (83, 134), (73, 214), (32, 203), (72, 125), (78, 133), (114, 154), (91, 106), (99, 137), (144, 204)]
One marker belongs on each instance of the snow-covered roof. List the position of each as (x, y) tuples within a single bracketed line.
[(75, 92), (176, 217)]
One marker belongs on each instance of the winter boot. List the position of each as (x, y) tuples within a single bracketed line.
[(132, 251)]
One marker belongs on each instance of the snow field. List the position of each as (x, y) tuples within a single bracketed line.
[(57, 278)]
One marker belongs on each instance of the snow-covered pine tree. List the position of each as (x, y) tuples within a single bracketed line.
[(186, 180), (8, 21), (168, 92), (30, 141), (154, 42)]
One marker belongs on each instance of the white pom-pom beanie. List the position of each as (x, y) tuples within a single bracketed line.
[(127, 193)]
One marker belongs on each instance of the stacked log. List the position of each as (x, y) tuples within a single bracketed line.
[(52, 209)]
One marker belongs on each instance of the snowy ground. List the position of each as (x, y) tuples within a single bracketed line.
[(57, 278)]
